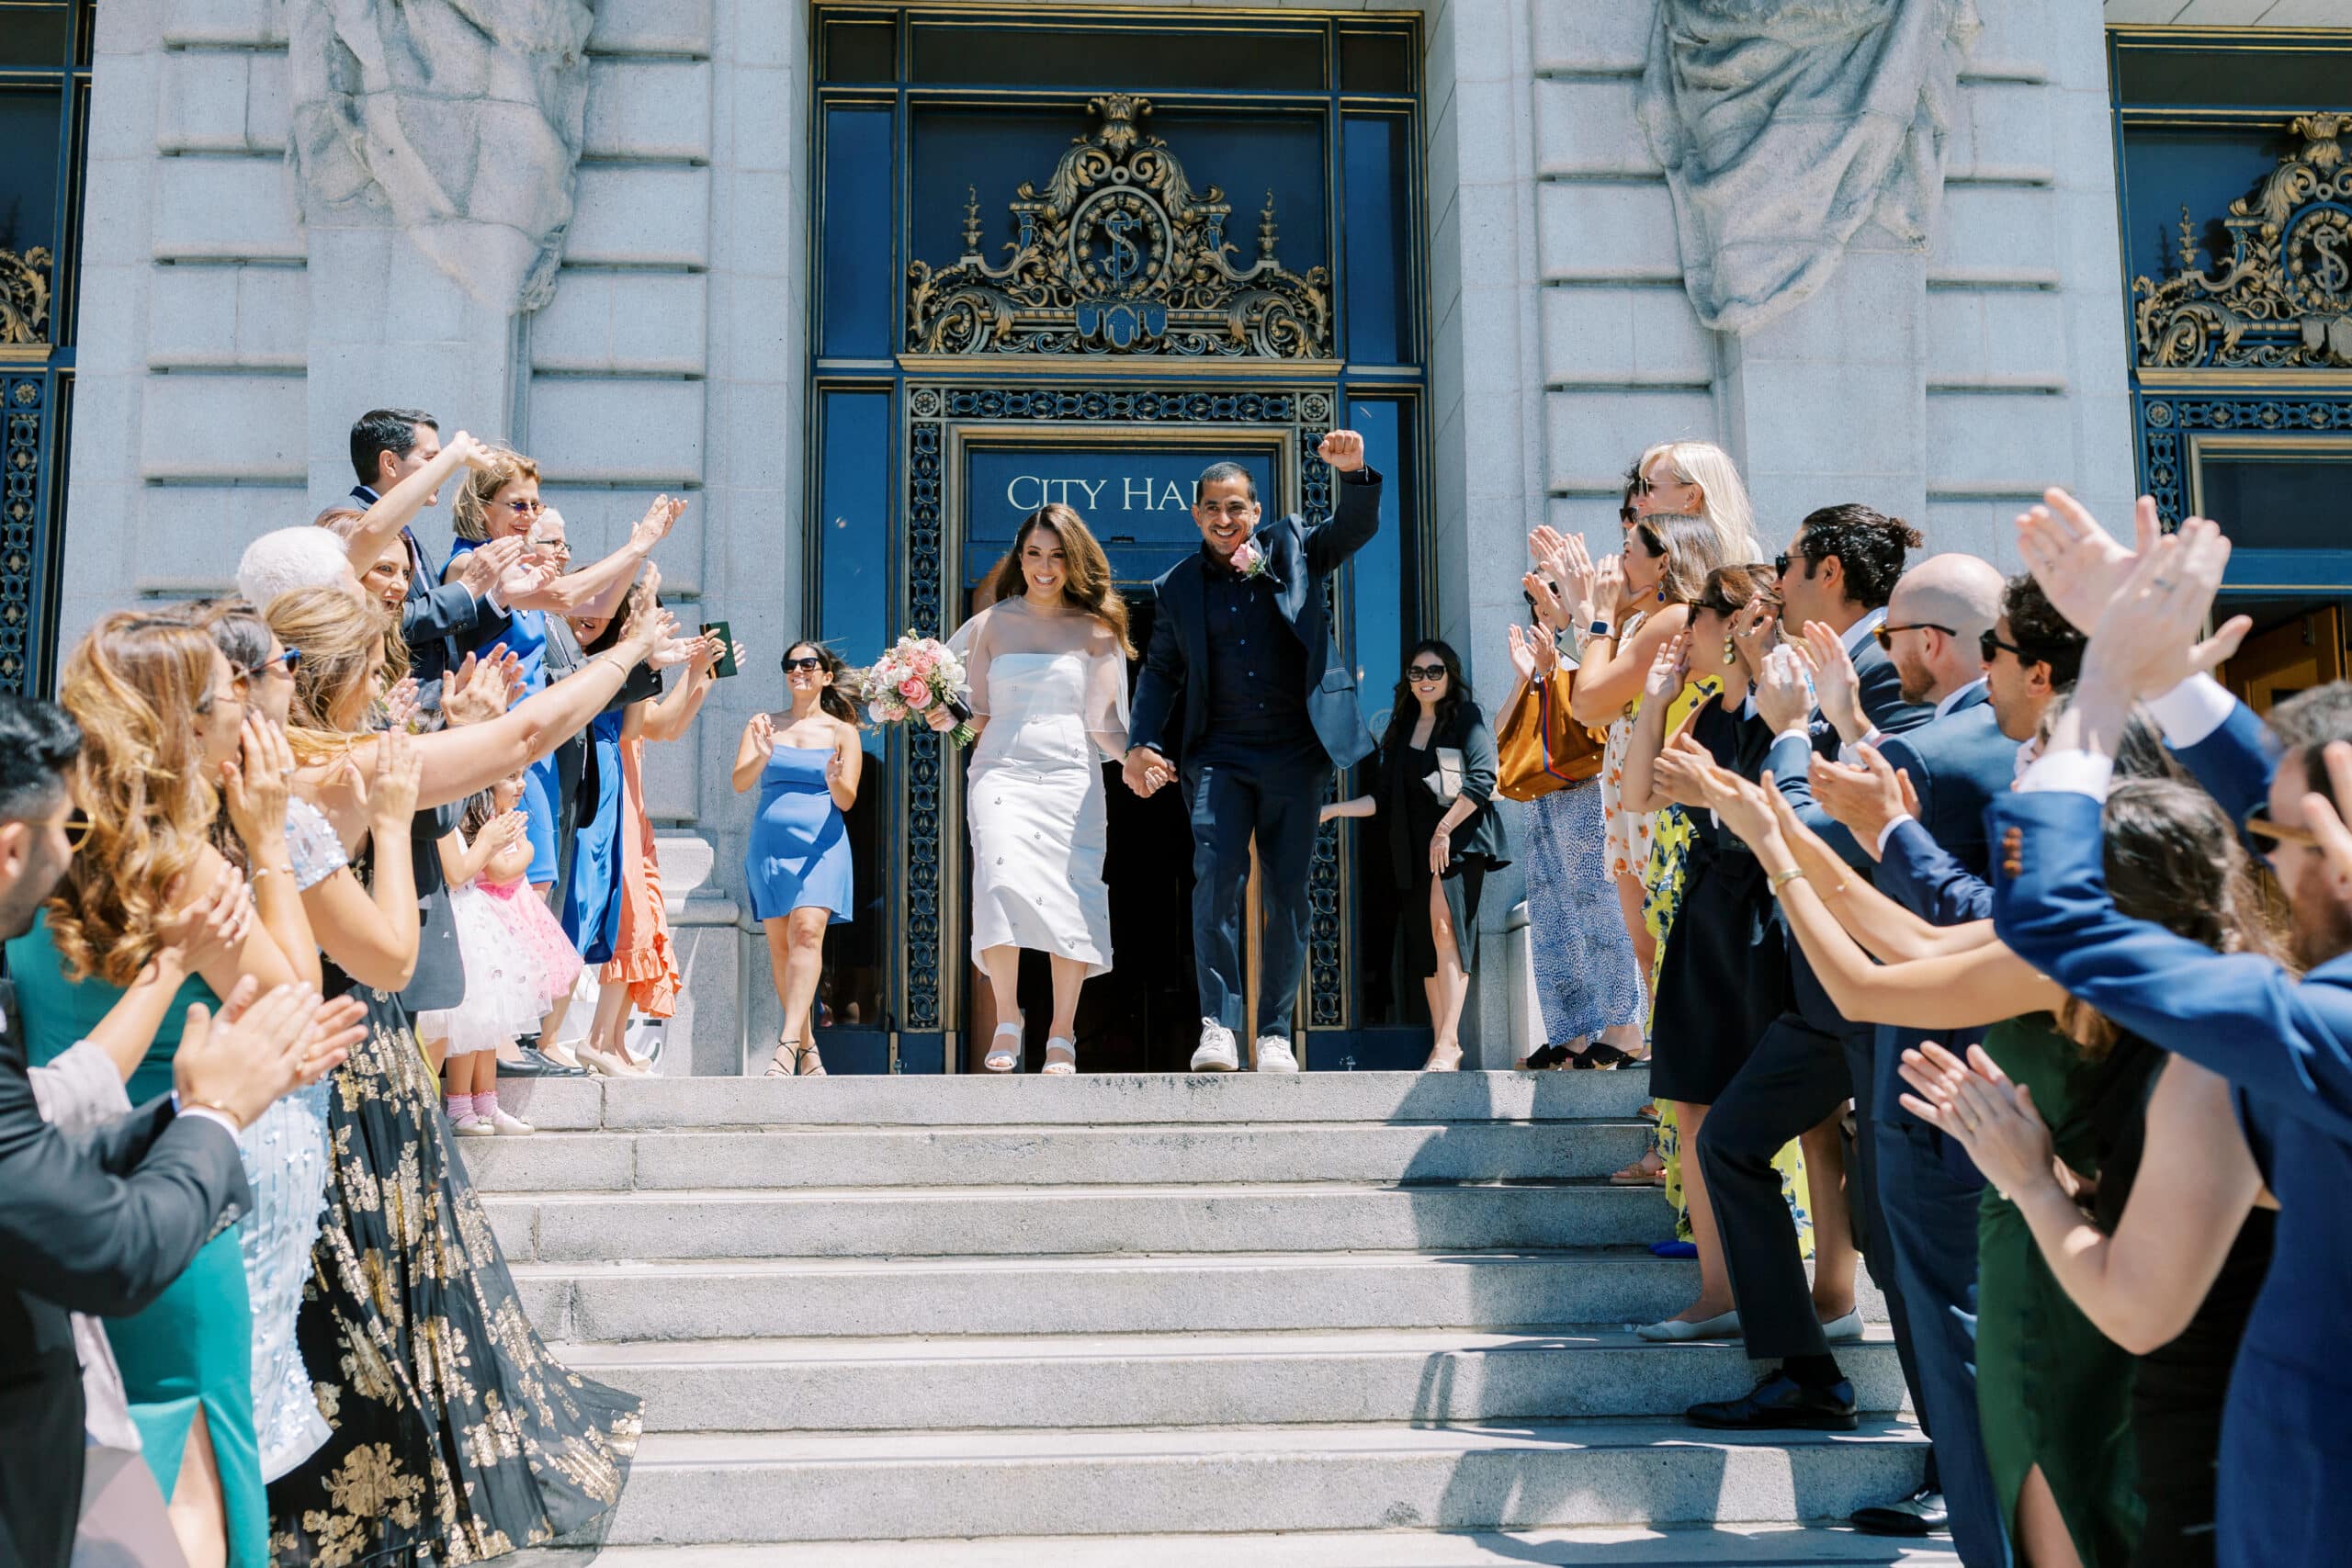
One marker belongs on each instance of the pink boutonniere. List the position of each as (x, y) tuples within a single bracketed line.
[(1249, 560)]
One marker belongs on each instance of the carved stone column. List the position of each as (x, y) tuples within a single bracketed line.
[(436, 143)]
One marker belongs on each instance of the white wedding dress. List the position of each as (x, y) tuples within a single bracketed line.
[(1054, 690)]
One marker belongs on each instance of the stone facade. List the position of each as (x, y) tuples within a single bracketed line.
[(228, 339)]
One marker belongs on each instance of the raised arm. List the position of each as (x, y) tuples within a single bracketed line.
[(846, 766), (1612, 671), (595, 591), (1638, 789), (752, 752), (1355, 516), (371, 930), (671, 717), (398, 507)]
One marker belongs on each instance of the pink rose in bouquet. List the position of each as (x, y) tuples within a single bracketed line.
[(914, 678)]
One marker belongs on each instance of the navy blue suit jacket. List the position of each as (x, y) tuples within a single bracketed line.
[(1958, 764), (1299, 556)]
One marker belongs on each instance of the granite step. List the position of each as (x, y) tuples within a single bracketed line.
[(1104, 1293), (1044, 1155), (717, 1487), (1188, 1379), (727, 1223), (981, 1100), (1603, 1546)]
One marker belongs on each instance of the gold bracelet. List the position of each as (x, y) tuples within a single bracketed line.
[(1783, 878), (230, 1111)]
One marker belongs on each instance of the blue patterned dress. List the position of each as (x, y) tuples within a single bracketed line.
[(285, 1152), (1586, 977)]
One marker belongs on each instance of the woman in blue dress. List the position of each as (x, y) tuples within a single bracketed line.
[(158, 705), (806, 760), (592, 898)]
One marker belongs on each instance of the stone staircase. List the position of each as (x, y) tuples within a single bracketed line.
[(990, 1311)]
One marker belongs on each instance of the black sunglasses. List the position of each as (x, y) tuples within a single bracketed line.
[(1424, 671), (1885, 632), (287, 661), (804, 664), (1986, 643), (78, 828)]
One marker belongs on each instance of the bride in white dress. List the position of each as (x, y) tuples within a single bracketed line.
[(1047, 662)]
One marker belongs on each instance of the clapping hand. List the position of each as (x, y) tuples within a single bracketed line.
[(253, 787), (655, 526), (2145, 640), (470, 451), (2079, 564), (762, 730), (1680, 771), (258, 1050), (491, 566), (1342, 451), (1783, 691), (1837, 685), (1864, 797), (1668, 670), (1550, 607), (392, 784), (1608, 588), (505, 831), (1746, 808), (479, 690), (2326, 823), (1533, 653), (208, 932), (1754, 631), (1992, 1118)]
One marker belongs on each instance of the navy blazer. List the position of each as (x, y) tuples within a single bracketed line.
[(1300, 557), (1919, 874)]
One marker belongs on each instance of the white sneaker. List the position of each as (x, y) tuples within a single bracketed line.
[(1274, 1054), (504, 1122), (1217, 1052)]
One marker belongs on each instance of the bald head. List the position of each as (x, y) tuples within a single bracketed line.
[(1952, 600)]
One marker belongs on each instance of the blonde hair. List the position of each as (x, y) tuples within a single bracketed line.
[(341, 521), (470, 511), (341, 650), (135, 685), (1086, 570), (1722, 496)]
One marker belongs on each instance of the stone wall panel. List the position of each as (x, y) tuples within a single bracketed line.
[(1611, 334), (1588, 127), (225, 209), (1995, 231), (627, 214), (640, 432), (651, 27), (2016, 441), (224, 429), (645, 322), (648, 108), (1592, 37), (1606, 230), (1593, 434), (257, 24)]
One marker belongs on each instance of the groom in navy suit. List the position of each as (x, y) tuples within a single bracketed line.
[(1269, 710)]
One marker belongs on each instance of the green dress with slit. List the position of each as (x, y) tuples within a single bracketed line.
[(192, 1348), (2051, 1389)]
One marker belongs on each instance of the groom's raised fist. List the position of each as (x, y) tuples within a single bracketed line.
[(1343, 450)]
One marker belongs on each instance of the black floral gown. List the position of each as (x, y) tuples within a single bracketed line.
[(455, 1436)]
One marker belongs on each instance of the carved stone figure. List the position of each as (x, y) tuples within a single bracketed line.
[(458, 121), (1786, 125)]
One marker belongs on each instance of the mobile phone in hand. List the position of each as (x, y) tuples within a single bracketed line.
[(726, 665)]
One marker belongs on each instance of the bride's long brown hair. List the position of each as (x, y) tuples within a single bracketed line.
[(1086, 579)]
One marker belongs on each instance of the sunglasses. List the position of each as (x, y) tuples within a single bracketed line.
[(1987, 644), (78, 828), (526, 508), (284, 664), (1424, 671), (1885, 633), (804, 664), (2263, 827)]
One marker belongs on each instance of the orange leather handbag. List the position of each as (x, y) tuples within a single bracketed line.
[(1541, 746)]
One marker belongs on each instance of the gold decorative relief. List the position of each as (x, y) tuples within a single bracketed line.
[(1120, 255), (2283, 300), (24, 296)]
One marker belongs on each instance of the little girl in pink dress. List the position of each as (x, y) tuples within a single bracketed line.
[(528, 920)]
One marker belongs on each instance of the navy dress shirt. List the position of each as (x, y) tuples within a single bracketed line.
[(1257, 668)]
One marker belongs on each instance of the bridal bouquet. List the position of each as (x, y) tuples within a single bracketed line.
[(913, 676)]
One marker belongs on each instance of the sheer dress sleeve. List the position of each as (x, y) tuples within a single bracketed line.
[(311, 844), (971, 644), (1106, 692)]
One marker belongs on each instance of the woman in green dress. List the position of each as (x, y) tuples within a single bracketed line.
[(159, 707), (2054, 1394)]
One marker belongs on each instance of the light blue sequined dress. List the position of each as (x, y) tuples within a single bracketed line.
[(285, 1153)]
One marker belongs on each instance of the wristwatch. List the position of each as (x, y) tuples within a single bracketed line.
[(1599, 628)]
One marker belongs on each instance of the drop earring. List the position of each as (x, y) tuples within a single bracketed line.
[(1731, 651)]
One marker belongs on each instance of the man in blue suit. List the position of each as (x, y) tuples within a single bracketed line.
[(2285, 1045), (1929, 1191), (1838, 572), (1241, 635)]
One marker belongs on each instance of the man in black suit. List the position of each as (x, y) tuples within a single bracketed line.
[(1838, 572), (102, 1224), (387, 446)]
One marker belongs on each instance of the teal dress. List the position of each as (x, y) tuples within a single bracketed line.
[(192, 1350)]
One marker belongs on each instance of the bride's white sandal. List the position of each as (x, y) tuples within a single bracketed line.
[(1063, 1065), (1003, 1056)]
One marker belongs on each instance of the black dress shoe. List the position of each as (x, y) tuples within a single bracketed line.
[(1780, 1401), (1922, 1513), (536, 1066)]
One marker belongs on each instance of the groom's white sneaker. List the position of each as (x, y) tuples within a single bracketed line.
[(1274, 1055), (1217, 1054)]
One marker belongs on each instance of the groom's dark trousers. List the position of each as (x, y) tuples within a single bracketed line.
[(1269, 710)]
